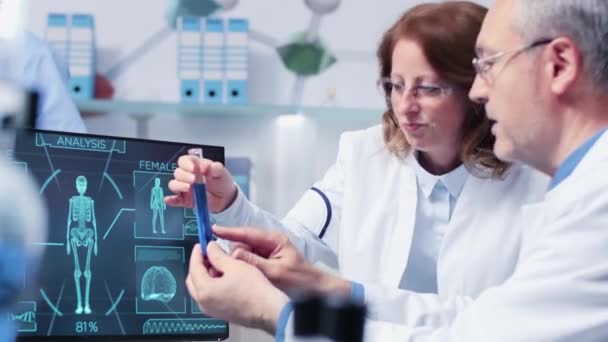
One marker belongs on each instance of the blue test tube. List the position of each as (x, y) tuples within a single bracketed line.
[(201, 208)]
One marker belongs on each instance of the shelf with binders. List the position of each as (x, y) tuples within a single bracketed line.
[(143, 111), (151, 107)]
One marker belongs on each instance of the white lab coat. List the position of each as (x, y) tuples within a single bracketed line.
[(372, 195), (39, 68), (559, 290)]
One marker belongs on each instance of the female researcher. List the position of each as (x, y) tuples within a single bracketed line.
[(417, 209)]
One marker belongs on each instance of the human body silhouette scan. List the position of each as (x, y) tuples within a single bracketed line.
[(158, 206), (81, 237)]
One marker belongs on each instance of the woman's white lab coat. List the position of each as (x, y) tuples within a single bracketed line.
[(364, 209)]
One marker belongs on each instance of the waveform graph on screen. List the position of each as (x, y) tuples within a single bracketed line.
[(183, 326)]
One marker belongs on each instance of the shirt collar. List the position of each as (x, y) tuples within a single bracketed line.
[(568, 166), (453, 180)]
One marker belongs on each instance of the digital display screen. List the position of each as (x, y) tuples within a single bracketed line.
[(116, 257)]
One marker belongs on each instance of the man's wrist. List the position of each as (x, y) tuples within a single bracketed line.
[(270, 317), (330, 284)]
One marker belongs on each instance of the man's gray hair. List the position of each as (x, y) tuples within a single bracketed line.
[(584, 21)]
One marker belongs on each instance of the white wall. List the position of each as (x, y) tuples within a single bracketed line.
[(287, 157)]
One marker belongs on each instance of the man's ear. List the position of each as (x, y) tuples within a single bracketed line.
[(564, 64)]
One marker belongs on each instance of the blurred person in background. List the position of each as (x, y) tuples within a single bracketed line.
[(38, 68)]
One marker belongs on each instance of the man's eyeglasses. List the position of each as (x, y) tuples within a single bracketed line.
[(394, 89), (484, 65)]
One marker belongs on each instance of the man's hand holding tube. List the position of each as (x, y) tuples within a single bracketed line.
[(239, 287), (273, 254), (230, 289)]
